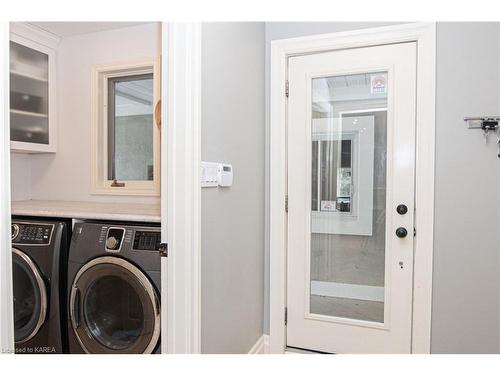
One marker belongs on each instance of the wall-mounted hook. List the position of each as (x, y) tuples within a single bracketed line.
[(487, 124)]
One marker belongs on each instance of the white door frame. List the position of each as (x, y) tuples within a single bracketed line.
[(424, 34), (6, 300), (180, 188)]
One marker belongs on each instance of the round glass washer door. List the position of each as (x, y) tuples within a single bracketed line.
[(114, 308), (30, 297)]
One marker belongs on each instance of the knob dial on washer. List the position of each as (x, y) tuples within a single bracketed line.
[(112, 243), (14, 229)]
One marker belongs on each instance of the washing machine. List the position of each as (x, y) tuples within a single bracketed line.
[(114, 288), (39, 260)]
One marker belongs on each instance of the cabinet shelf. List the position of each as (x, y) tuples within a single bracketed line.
[(32, 74), (26, 113), (29, 76)]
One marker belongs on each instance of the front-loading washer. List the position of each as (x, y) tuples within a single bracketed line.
[(39, 260), (114, 288)]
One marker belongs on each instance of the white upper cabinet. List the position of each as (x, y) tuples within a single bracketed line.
[(33, 115)]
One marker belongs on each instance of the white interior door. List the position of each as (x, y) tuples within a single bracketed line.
[(351, 167)]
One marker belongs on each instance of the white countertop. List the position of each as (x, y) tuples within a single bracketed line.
[(148, 213)]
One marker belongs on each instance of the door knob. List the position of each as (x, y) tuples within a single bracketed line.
[(401, 232), (402, 209)]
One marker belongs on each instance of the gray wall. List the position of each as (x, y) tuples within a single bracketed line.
[(465, 313), (466, 292), (233, 218)]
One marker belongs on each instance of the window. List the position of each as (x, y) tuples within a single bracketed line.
[(130, 128), (126, 138)]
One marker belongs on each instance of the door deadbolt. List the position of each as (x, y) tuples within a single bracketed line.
[(402, 209), (401, 232)]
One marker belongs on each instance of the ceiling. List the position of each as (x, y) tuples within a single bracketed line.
[(66, 29), (134, 97)]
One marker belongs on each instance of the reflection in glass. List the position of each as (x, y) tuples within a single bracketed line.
[(130, 128), (29, 95), (335, 160), (348, 185)]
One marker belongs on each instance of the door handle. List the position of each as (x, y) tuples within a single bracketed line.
[(75, 307), (401, 232), (402, 209), (158, 114)]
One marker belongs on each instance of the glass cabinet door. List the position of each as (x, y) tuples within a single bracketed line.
[(29, 94)]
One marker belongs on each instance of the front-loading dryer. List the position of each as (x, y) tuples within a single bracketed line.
[(113, 288), (39, 260)]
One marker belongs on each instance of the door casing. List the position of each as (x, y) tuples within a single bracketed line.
[(180, 187), (424, 34), (6, 291)]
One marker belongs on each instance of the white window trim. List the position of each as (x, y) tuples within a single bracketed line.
[(424, 34), (99, 168)]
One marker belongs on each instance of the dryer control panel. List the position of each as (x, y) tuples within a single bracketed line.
[(31, 234)]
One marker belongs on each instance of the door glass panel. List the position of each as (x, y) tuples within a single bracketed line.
[(27, 299), (24, 297), (29, 94), (113, 312), (348, 196)]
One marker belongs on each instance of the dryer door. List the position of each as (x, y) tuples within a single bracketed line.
[(30, 297), (114, 308)]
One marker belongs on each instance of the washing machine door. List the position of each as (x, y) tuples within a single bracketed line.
[(114, 308), (30, 297)]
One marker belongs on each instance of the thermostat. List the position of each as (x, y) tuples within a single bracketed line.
[(209, 174), (225, 175)]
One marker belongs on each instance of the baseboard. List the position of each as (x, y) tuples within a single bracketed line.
[(361, 292), (261, 346)]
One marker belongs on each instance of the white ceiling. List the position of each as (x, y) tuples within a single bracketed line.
[(134, 97), (65, 29)]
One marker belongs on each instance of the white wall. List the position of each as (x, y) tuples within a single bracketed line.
[(232, 223), (20, 174), (66, 175)]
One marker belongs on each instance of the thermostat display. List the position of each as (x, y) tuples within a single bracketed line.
[(225, 175)]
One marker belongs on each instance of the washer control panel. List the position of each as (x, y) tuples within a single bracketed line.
[(147, 240), (116, 239), (31, 234), (14, 230)]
